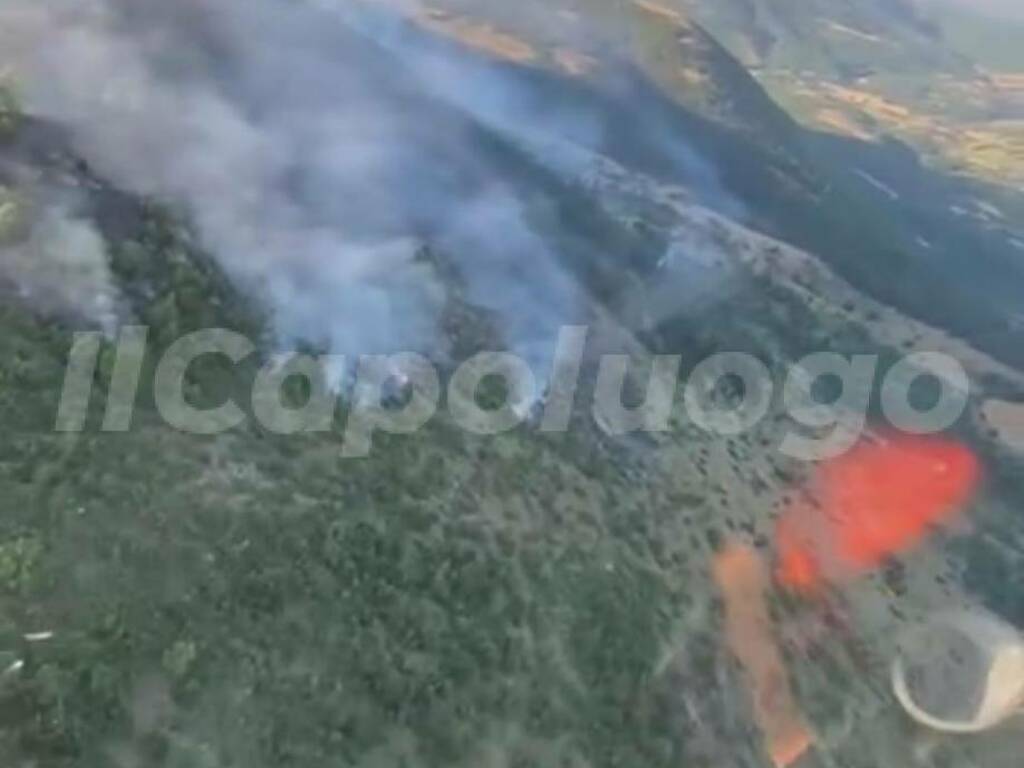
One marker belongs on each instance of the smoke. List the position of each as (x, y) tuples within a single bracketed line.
[(59, 265), (317, 147), (998, 9)]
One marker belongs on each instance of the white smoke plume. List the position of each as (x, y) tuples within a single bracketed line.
[(59, 266), (316, 147)]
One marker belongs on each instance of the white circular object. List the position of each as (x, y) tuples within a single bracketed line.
[(960, 672)]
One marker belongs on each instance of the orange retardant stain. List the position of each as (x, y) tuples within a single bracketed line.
[(744, 582), (877, 500)]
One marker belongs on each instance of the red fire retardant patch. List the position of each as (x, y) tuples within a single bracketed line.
[(879, 499)]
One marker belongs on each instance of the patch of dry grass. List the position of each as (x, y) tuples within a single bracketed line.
[(480, 36)]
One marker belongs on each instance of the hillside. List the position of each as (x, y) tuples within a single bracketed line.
[(931, 74), (842, 41), (536, 599), (256, 598), (859, 203)]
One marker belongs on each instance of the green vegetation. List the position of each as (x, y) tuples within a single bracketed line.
[(258, 600)]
